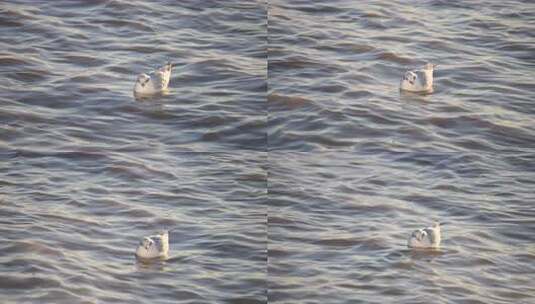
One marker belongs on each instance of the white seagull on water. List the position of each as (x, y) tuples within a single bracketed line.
[(154, 246), (426, 237), (154, 82), (419, 81)]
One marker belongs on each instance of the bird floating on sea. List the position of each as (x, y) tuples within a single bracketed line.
[(428, 237), (154, 246), (418, 81), (154, 82)]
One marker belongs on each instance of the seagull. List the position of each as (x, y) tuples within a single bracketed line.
[(419, 81), (154, 82), (426, 237), (154, 246)]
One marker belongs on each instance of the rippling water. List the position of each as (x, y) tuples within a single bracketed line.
[(86, 170), (339, 223), (335, 66), (354, 166), (68, 69), (70, 223)]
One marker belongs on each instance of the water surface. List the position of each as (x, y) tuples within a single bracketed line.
[(68, 68), (86, 170), (335, 66), (339, 224), (70, 224)]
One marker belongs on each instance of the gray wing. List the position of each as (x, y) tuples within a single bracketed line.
[(430, 234), (158, 242), (421, 78), (158, 80)]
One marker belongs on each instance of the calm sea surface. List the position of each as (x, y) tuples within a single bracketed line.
[(335, 66)]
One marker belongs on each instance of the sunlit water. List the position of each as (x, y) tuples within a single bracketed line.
[(339, 224), (335, 68), (70, 224), (339, 220), (68, 72), (86, 170)]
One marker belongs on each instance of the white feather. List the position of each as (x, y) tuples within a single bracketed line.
[(429, 237), (154, 246), (154, 82), (420, 81)]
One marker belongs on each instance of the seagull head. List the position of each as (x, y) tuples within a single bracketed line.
[(146, 243), (143, 79), (141, 83)]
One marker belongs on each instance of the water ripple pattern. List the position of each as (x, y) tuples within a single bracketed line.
[(68, 69), (70, 224), (338, 228), (86, 169), (335, 66)]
